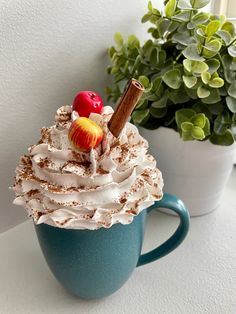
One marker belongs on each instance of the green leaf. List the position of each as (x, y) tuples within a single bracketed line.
[(184, 4), (199, 67), (183, 115), (136, 64), (146, 17), (233, 65), (162, 26), (187, 136), (162, 56), (153, 57), (216, 108), (229, 27), (160, 103), (155, 18), (173, 26), (232, 90), (198, 133), (114, 70), (211, 48), (231, 103), (213, 65), (216, 82), (156, 84), (205, 76), (196, 67), (182, 16), (228, 66), (147, 47), (189, 81), (200, 107), (192, 93), (214, 97), (170, 8), (199, 119), (144, 80), (182, 28), (197, 4), (229, 76), (150, 97), (224, 140), (150, 5), (213, 45), (200, 35), (133, 42), (172, 78), (180, 46), (222, 91), (191, 52), (227, 60), (111, 51), (156, 12), (212, 28), (187, 65), (118, 38), (178, 96), (186, 126), (202, 92), (222, 123), (225, 36), (232, 51), (191, 26), (140, 116), (234, 119), (183, 38), (224, 118), (200, 18), (207, 128), (142, 104), (158, 112), (219, 17)]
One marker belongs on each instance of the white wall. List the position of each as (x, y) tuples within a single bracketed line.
[(49, 50)]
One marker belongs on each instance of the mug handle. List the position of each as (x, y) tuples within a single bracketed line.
[(171, 202)]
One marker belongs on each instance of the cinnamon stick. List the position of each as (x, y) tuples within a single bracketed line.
[(125, 107)]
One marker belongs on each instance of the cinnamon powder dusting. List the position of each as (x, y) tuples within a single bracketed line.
[(32, 192), (100, 170), (44, 162), (46, 136), (131, 211), (123, 200)]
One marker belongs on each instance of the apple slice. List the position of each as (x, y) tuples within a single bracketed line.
[(85, 134)]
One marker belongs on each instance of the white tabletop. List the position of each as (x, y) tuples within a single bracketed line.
[(198, 277)]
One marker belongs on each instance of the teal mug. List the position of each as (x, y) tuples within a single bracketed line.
[(95, 263)]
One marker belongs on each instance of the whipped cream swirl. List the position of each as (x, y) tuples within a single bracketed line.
[(70, 189)]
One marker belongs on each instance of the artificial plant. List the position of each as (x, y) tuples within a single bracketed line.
[(188, 68)]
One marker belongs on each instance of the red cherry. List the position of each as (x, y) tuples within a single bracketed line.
[(86, 102)]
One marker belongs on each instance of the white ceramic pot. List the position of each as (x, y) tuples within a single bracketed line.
[(194, 171)]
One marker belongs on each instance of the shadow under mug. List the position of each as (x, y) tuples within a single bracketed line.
[(95, 263)]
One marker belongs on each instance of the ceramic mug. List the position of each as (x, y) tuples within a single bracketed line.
[(95, 263)]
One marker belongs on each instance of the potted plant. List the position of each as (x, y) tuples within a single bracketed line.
[(188, 111)]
